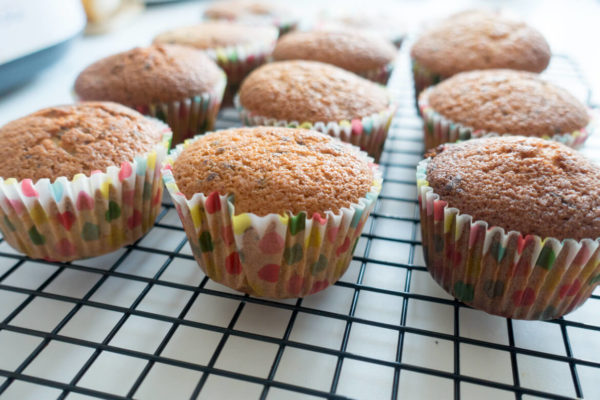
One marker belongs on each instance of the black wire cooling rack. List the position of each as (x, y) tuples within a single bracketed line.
[(146, 323)]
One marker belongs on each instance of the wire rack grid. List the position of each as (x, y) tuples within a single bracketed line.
[(144, 322)]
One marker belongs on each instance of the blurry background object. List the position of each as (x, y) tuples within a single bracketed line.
[(35, 34), (382, 24), (104, 15), (253, 12)]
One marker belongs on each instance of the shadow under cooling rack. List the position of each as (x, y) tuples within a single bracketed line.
[(145, 322)]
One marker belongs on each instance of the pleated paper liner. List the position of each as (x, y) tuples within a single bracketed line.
[(381, 74), (86, 216), (274, 256), (238, 61), (507, 274), (368, 133), (191, 116), (439, 130)]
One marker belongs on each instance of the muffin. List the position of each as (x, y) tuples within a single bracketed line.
[(314, 95), (383, 25), (81, 180), (476, 40), (511, 224), (273, 212), (367, 55), (236, 48), (502, 102), (177, 84), (253, 11)]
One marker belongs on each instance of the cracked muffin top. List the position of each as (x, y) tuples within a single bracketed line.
[(148, 75), (73, 139), (507, 101), (310, 91), (529, 185), (481, 39), (274, 170)]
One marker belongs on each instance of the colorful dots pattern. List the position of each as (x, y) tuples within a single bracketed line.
[(500, 272)]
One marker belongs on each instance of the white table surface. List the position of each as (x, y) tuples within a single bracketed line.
[(564, 25)]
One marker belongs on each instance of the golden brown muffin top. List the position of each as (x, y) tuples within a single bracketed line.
[(214, 34), (357, 51), (310, 91), (75, 139), (147, 75), (529, 185), (235, 9), (507, 101), (481, 40), (274, 170)]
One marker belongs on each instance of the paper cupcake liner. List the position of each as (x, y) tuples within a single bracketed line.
[(238, 61), (368, 133), (503, 273), (379, 75), (423, 78), (190, 116), (438, 129), (286, 26), (274, 256), (86, 216)]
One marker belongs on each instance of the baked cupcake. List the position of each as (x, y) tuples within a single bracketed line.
[(383, 25), (476, 40), (367, 55), (81, 180), (314, 95), (236, 48), (502, 102), (511, 225), (177, 84), (254, 12), (273, 212)]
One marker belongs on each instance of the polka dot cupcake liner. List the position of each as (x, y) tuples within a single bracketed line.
[(504, 273), (273, 256), (238, 61), (86, 216), (368, 133), (190, 116), (438, 129), (381, 74)]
